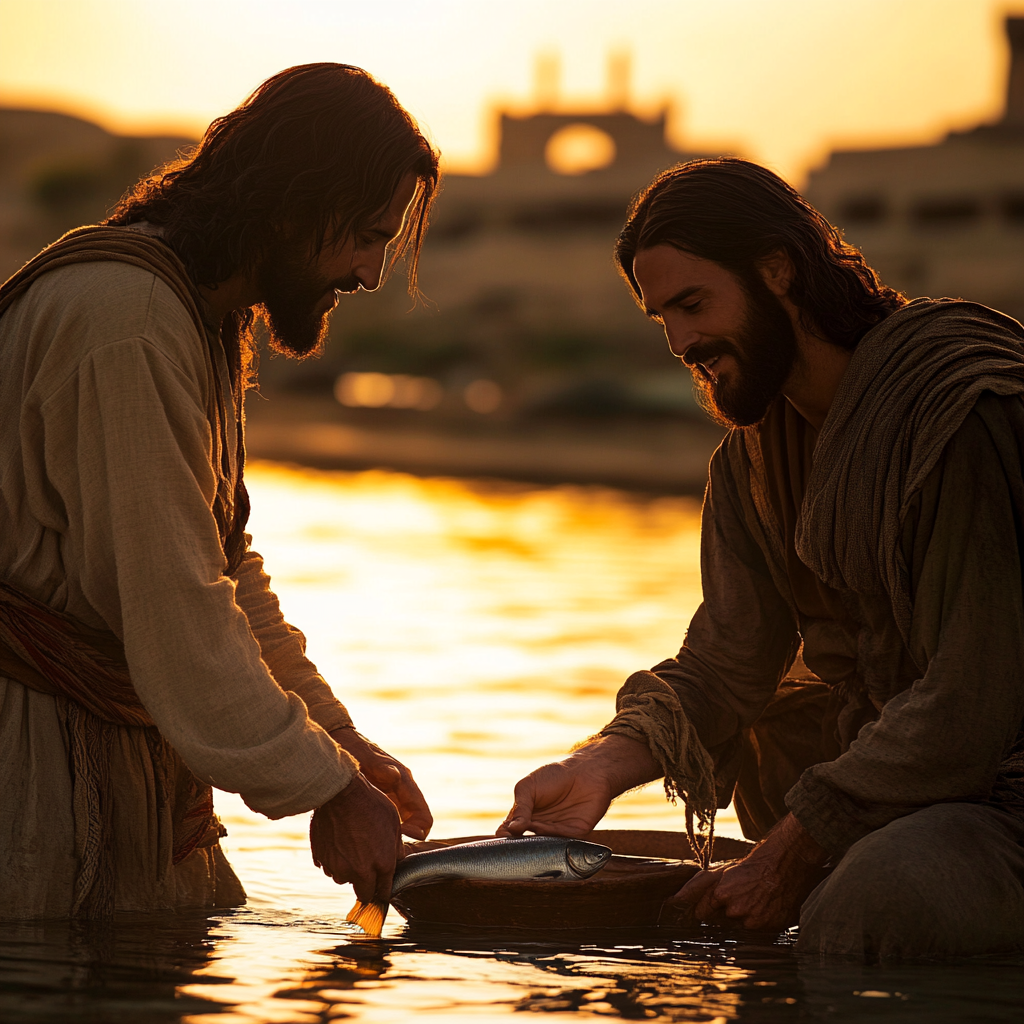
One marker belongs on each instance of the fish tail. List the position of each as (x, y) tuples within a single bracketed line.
[(369, 917)]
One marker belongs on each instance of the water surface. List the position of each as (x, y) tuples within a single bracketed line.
[(475, 631)]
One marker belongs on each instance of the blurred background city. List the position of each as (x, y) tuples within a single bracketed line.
[(903, 120)]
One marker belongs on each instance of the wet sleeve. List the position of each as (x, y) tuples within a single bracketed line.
[(283, 647), (128, 445), (943, 738), (741, 640)]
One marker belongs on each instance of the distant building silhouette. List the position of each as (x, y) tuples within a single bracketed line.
[(946, 219)]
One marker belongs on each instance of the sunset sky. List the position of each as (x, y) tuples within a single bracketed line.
[(782, 81)]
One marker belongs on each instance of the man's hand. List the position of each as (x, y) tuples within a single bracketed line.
[(766, 889), (392, 778), (355, 838), (569, 797)]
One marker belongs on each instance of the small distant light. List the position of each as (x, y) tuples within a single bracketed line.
[(482, 396), (398, 391)]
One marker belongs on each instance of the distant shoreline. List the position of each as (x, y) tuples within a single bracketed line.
[(665, 456)]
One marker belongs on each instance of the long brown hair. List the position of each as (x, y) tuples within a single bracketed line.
[(321, 147), (737, 213)]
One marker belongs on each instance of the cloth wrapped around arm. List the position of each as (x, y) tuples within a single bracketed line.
[(743, 638), (691, 709), (283, 647)]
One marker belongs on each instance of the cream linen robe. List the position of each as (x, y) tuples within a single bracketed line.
[(106, 488)]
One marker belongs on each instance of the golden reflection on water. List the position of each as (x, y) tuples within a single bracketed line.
[(475, 631)]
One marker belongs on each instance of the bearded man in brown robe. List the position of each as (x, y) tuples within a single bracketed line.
[(854, 678), (143, 655)]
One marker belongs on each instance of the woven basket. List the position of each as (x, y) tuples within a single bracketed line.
[(623, 894)]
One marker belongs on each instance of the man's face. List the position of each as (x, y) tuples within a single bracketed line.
[(735, 336), (298, 290)]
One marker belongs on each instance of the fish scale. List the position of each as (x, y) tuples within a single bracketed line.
[(518, 859), (496, 860)]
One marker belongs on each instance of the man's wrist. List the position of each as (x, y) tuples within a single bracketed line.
[(345, 737), (796, 841), (350, 739)]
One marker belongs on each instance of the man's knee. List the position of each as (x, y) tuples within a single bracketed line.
[(946, 880)]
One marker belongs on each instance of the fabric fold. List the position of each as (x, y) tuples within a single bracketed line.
[(912, 382)]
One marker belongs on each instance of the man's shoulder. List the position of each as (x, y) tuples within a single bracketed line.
[(79, 308), (129, 299)]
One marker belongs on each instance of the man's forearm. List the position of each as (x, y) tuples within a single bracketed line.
[(622, 763), (794, 843)]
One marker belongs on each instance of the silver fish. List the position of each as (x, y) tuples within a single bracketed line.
[(502, 860)]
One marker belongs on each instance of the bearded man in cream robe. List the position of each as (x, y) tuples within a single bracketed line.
[(143, 656), (854, 678)]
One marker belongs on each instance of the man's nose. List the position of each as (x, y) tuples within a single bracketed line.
[(680, 341), (369, 272)]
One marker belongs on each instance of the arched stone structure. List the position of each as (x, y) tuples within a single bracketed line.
[(523, 139)]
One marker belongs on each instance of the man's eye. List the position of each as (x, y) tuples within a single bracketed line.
[(691, 308)]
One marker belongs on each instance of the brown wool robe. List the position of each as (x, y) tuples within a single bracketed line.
[(107, 485), (912, 633)]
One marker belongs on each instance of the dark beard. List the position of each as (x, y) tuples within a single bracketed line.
[(291, 292), (764, 352)]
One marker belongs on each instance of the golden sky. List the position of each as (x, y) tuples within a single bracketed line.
[(782, 81)]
